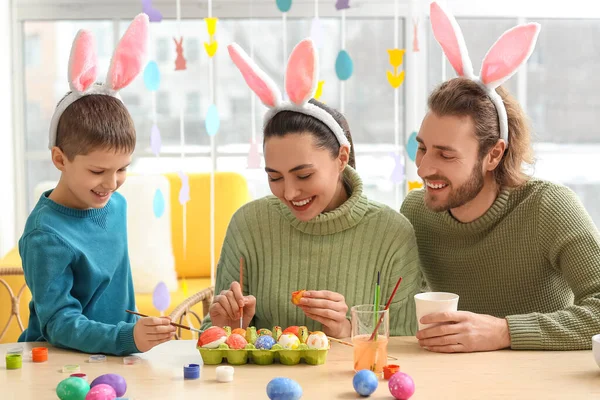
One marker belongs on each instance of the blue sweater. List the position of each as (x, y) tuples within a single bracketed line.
[(76, 265)]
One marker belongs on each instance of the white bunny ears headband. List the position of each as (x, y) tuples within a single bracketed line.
[(503, 59), (301, 79), (127, 62)]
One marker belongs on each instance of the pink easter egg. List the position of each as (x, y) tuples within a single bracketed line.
[(101, 392), (401, 386)]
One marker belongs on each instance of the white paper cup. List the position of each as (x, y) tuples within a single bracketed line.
[(434, 302), (596, 348)]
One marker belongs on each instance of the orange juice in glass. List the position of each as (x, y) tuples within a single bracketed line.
[(370, 354)]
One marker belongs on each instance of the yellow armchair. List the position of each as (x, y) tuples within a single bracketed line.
[(231, 192)]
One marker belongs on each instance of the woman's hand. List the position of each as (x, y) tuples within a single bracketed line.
[(225, 308), (328, 308)]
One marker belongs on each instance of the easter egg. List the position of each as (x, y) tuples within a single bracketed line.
[(289, 341), (212, 337), (236, 341), (292, 329), (101, 392), (72, 389), (284, 389), (401, 386), (117, 382), (297, 296), (264, 343), (365, 382), (317, 340), (284, 5), (212, 121), (264, 332), (344, 65), (239, 331), (152, 76)]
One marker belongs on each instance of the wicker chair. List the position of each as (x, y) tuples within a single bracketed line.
[(183, 310), (13, 299)]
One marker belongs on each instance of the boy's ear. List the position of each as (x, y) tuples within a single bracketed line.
[(59, 159)]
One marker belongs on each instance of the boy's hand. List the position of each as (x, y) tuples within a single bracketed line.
[(152, 331)]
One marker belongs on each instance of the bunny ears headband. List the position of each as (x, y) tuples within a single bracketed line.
[(127, 61), (301, 79), (503, 59)]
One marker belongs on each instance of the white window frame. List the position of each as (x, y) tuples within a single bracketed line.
[(117, 10)]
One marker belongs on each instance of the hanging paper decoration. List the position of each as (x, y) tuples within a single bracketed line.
[(344, 66), (161, 298), (212, 45), (153, 14), (411, 146), (253, 156), (394, 78), (415, 43), (212, 126), (284, 5), (155, 141), (316, 32), (152, 76), (319, 91), (212, 120), (158, 204), (184, 192), (342, 4), (412, 185), (398, 171), (180, 63)]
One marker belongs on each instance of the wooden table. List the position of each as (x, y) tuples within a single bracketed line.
[(494, 375)]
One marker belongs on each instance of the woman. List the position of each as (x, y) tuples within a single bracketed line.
[(318, 231)]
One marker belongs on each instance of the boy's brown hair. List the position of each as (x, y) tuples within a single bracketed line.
[(95, 122)]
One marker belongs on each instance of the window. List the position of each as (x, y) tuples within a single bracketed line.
[(191, 49), (563, 103), (33, 51), (559, 85)]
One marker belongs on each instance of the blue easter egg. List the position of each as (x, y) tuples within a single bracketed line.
[(264, 342), (283, 388), (212, 121), (152, 76), (365, 382), (158, 203), (344, 65), (284, 5), (412, 145)]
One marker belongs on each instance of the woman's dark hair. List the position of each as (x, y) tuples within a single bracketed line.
[(289, 122)]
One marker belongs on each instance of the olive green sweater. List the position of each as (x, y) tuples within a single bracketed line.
[(340, 251), (532, 258)]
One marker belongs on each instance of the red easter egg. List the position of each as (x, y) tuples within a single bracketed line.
[(236, 342), (401, 386), (212, 334), (292, 329)]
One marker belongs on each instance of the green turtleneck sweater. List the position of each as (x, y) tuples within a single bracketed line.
[(532, 258), (340, 251)]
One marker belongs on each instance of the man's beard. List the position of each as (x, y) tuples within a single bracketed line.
[(461, 195)]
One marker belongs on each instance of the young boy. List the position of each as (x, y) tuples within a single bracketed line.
[(74, 247)]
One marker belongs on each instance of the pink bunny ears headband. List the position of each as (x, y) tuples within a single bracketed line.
[(301, 79), (127, 62), (503, 59)]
